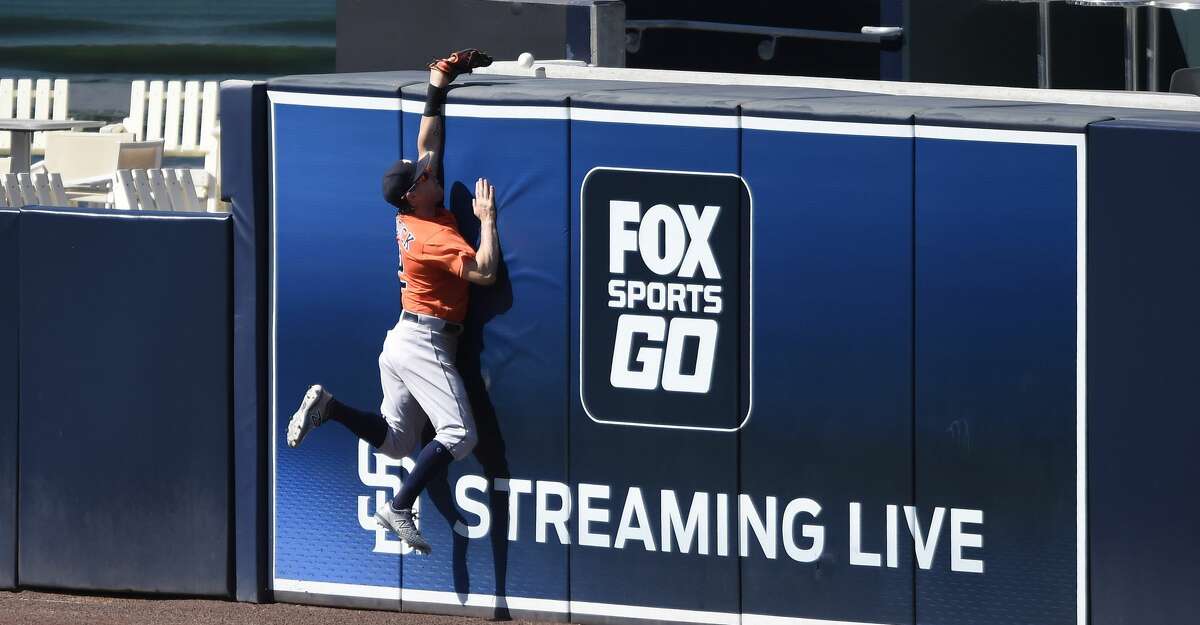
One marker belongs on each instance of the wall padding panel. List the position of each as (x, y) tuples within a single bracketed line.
[(830, 435), (997, 422), (658, 456), (9, 385), (513, 132), (605, 450), (245, 173), (125, 375), (334, 297), (1142, 341), (732, 323)]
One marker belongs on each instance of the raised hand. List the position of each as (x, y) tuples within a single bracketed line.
[(484, 204), (461, 62)]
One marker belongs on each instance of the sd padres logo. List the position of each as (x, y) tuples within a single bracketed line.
[(665, 298)]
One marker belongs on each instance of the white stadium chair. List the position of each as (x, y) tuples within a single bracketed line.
[(82, 158), (86, 161), (9, 198), (29, 99), (184, 116), (17, 190), (155, 189)]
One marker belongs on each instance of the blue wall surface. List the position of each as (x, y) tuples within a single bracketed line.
[(652, 459), (511, 356), (125, 394), (833, 295), (336, 295), (890, 432), (245, 175), (9, 405), (1142, 341), (995, 375)]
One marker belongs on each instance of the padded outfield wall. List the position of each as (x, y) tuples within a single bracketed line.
[(755, 355), (115, 346), (9, 365)]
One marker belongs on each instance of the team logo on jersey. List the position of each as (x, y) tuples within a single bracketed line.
[(665, 298)]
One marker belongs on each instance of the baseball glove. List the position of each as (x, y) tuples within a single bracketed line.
[(461, 62)]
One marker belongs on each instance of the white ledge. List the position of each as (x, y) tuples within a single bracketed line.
[(1121, 99)]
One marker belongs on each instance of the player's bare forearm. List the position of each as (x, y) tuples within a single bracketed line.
[(487, 257), (482, 269), (430, 138)]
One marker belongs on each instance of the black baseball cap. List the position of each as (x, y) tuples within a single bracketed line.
[(399, 179)]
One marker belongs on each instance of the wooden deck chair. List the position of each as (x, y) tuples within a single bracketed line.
[(183, 115), (29, 99), (45, 189), (28, 191), (182, 191), (188, 188), (4, 201), (17, 190), (155, 189), (158, 188), (125, 196), (58, 192), (141, 185), (131, 191)]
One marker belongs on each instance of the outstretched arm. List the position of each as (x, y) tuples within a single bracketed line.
[(441, 73), (430, 138), (483, 268)]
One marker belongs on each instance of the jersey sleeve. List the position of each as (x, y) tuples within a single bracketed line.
[(449, 251)]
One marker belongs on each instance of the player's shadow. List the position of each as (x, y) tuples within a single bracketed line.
[(486, 303)]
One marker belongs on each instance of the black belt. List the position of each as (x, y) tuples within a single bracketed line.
[(437, 324)]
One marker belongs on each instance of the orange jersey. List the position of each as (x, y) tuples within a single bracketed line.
[(432, 262)]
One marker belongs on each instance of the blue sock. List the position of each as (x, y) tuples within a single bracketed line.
[(432, 459), (365, 425)]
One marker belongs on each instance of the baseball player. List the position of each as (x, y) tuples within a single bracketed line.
[(417, 365)]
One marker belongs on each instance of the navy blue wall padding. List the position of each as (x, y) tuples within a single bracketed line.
[(515, 91), (700, 99), (125, 402), (336, 295), (995, 227), (860, 107), (682, 95), (361, 84), (832, 360), (1142, 341), (9, 332), (913, 346), (378, 84), (652, 459), (497, 90), (244, 184), (512, 355), (1044, 117)]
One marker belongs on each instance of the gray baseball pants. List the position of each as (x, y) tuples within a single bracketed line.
[(421, 382)]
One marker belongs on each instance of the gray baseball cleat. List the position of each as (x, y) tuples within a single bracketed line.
[(309, 415), (401, 522)]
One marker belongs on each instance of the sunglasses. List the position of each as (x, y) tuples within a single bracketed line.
[(422, 177)]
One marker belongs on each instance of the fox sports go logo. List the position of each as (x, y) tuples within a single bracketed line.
[(665, 298)]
